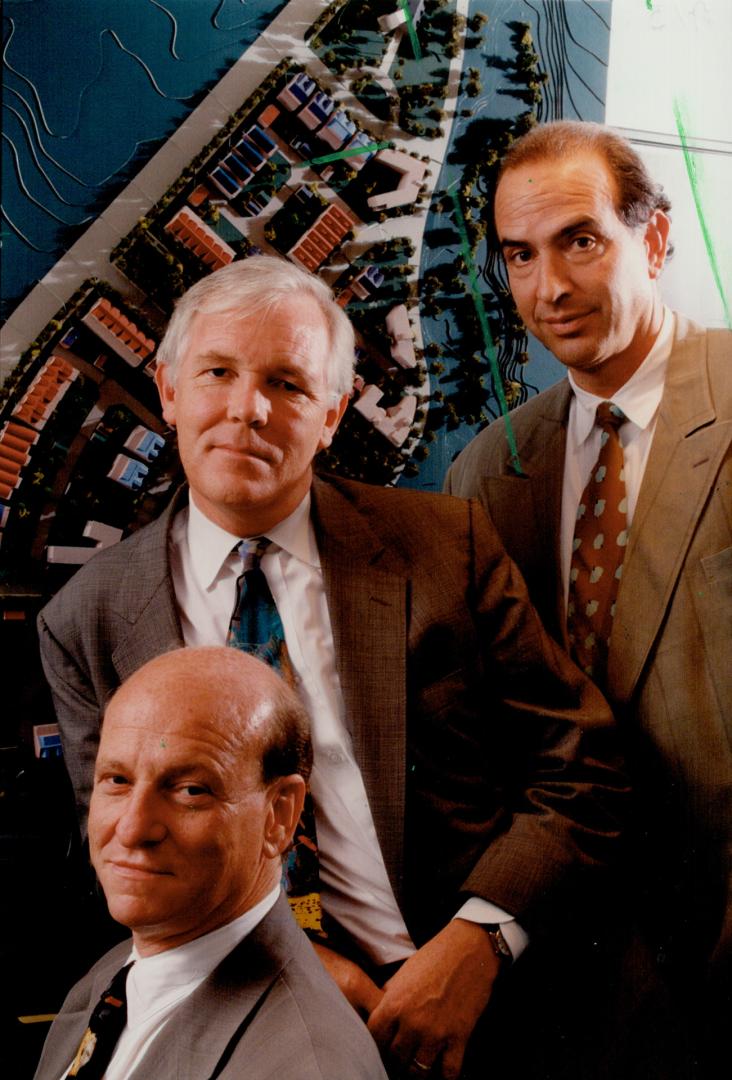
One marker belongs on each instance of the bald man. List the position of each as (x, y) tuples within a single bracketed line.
[(198, 786)]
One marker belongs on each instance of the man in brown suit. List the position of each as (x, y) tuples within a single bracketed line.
[(463, 781), (583, 230)]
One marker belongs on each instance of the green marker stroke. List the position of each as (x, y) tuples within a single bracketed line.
[(404, 5), (487, 336), (352, 152), (691, 172)]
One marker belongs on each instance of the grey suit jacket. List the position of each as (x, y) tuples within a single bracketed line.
[(670, 662), (268, 1010), (471, 728)]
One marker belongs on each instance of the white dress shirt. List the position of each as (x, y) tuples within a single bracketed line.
[(639, 398), (157, 985), (355, 886)]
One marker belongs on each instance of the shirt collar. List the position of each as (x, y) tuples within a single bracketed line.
[(640, 396), (209, 545), (296, 535), (197, 958)]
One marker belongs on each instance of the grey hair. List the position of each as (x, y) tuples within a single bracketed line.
[(257, 285)]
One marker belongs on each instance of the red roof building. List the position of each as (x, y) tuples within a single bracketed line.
[(199, 238), (314, 247), (119, 332)]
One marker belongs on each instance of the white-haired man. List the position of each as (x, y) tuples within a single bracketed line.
[(464, 770)]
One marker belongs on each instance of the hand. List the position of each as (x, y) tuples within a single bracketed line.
[(431, 1005), (353, 982)]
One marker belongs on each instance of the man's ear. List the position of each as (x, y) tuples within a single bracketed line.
[(656, 241), (166, 390), (332, 419), (287, 796)]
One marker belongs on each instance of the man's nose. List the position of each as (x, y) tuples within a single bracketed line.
[(248, 403), (141, 821), (552, 279)]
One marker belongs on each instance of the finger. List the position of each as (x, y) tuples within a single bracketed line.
[(383, 1025), (421, 1066), (452, 1059), (416, 1051), (370, 997)]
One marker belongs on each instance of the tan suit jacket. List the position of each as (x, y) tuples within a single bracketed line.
[(670, 662)]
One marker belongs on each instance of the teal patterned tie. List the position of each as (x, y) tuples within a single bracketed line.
[(256, 628)]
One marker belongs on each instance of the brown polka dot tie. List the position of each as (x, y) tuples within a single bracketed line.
[(600, 539)]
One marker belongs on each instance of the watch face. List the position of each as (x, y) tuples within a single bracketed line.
[(499, 943)]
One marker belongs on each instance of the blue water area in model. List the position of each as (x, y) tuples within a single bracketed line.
[(572, 42), (91, 88)]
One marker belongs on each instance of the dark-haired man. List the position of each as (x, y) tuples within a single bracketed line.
[(198, 787), (583, 230)]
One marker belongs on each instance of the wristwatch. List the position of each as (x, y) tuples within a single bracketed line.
[(498, 941)]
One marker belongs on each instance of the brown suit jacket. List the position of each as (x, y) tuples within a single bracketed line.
[(670, 662), (487, 757)]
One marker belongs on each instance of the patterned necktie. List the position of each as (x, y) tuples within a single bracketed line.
[(105, 1027), (256, 628), (600, 539)]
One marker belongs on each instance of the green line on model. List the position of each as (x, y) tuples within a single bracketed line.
[(490, 348), (352, 152), (691, 172), (649, 5), (404, 5)]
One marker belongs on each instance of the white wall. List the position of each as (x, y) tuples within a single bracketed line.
[(679, 52)]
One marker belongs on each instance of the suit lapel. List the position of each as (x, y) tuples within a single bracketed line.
[(684, 460), (73, 1020), (146, 600), (195, 1039), (367, 591), (529, 507)]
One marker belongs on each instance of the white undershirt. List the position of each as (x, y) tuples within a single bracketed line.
[(157, 985), (355, 886), (639, 398)]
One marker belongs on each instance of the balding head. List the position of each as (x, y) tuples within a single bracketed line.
[(199, 783), (636, 194), (237, 692)]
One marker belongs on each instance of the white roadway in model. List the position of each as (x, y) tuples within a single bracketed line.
[(285, 36)]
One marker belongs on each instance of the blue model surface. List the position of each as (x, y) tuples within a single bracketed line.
[(91, 88)]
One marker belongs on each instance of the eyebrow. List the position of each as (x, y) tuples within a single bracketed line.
[(282, 365), (175, 772), (213, 356), (562, 234), (110, 765)]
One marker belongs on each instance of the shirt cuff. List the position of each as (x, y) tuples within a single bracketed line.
[(478, 910)]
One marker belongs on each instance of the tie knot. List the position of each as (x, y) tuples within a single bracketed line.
[(117, 987), (251, 551), (609, 415)]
